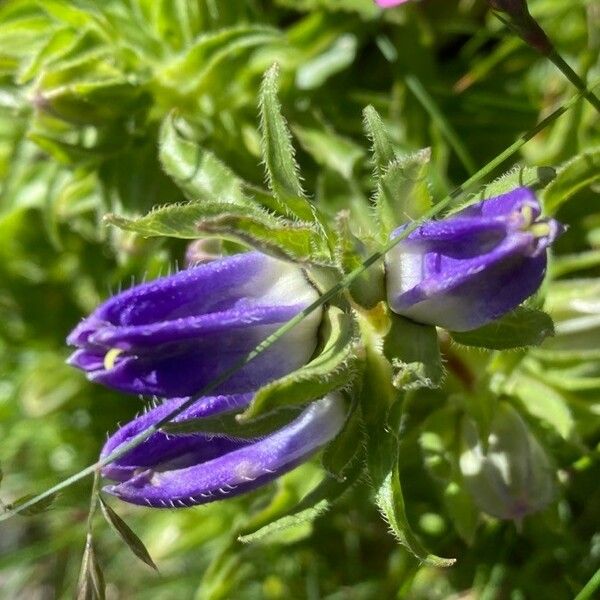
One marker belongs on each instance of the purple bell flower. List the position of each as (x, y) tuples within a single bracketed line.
[(169, 471), (172, 336), (474, 266)]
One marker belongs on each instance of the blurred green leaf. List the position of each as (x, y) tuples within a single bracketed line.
[(577, 174), (190, 72), (198, 172)]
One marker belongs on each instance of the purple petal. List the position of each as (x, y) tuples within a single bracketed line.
[(172, 336), (473, 267), (241, 469), (159, 447), (503, 205)]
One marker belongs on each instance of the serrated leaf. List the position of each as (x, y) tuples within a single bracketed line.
[(246, 224), (414, 352), (332, 368), (198, 172), (385, 475), (572, 177), (519, 328), (278, 152), (383, 145), (298, 241), (91, 91), (178, 220), (126, 534), (403, 191), (38, 508)]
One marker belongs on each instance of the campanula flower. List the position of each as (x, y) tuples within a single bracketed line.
[(511, 476), (474, 266), (172, 336), (169, 471)]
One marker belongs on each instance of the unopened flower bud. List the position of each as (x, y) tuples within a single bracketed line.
[(172, 336), (184, 470), (474, 266), (512, 477)]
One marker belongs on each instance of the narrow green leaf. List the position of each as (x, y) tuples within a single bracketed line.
[(519, 328), (40, 507), (383, 145), (91, 585), (126, 534), (198, 172), (315, 71), (179, 220), (333, 367), (278, 152), (96, 576), (403, 191), (572, 177)]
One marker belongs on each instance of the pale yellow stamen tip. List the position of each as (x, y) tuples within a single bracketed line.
[(527, 213), (111, 357), (540, 230)]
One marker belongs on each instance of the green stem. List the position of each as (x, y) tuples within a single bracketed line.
[(416, 87), (531, 32), (328, 295), (90, 528), (572, 76), (590, 587)]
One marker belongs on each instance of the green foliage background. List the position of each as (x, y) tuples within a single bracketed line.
[(84, 88)]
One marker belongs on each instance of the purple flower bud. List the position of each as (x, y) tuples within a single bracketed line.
[(474, 266), (172, 336), (185, 470)]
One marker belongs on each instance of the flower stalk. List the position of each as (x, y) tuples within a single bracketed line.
[(525, 26)]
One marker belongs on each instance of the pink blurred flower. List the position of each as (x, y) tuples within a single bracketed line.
[(389, 3)]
